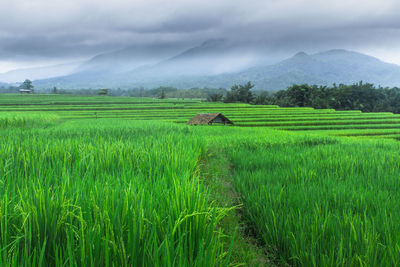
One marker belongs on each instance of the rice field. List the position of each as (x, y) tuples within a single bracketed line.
[(324, 121), (323, 202), (119, 181), (105, 194)]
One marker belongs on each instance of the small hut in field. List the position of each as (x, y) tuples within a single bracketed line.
[(209, 119)]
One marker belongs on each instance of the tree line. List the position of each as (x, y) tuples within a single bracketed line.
[(359, 96), (160, 92)]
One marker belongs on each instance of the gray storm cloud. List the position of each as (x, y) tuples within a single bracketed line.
[(59, 29)]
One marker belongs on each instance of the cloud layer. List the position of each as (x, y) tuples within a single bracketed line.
[(51, 30)]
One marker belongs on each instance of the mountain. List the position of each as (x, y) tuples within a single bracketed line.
[(103, 70), (212, 57), (326, 68), (20, 75), (129, 58), (218, 63), (156, 65)]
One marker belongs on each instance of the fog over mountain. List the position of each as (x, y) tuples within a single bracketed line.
[(162, 65), (220, 63), (130, 58), (197, 43), (42, 32), (325, 68), (19, 75)]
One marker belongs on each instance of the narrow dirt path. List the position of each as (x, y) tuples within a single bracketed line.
[(216, 174)]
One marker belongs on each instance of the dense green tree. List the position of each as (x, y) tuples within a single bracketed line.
[(299, 94), (215, 97), (240, 93), (163, 95), (264, 98), (360, 96), (27, 84)]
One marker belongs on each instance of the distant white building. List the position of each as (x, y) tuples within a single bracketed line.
[(26, 91)]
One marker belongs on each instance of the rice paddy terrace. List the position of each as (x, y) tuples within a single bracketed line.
[(321, 121), (120, 181)]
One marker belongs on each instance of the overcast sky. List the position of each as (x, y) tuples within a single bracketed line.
[(40, 32)]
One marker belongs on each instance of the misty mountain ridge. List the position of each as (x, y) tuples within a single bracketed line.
[(129, 58), (219, 63), (147, 67), (325, 68), (38, 73)]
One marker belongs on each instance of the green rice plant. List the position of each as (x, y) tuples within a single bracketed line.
[(15, 120), (106, 193), (322, 201), (113, 185)]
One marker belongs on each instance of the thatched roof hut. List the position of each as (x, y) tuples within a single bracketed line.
[(209, 118)]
